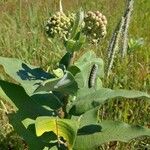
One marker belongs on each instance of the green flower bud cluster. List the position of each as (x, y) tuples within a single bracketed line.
[(95, 26), (59, 24)]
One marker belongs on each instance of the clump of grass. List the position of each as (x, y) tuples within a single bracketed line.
[(22, 34)]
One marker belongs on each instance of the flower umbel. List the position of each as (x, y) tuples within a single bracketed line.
[(59, 25), (95, 26)]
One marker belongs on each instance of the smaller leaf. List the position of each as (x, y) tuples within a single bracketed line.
[(75, 45), (78, 23), (65, 61), (61, 127), (79, 43), (67, 84), (47, 99), (89, 117), (26, 122), (58, 72), (69, 45), (85, 64)]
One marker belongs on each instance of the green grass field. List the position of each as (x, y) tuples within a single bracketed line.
[(22, 36)]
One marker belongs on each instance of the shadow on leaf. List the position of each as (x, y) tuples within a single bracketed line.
[(89, 129), (33, 74)]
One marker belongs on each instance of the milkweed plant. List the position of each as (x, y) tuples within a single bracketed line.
[(60, 110)]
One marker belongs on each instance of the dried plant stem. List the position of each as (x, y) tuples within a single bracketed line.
[(4, 107), (114, 45), (60, 6), (120, 37), (127, 17)]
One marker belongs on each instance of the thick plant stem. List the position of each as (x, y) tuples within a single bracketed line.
[(62, 111)]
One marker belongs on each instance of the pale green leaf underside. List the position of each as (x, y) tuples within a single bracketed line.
[(110, 131), (87, 99), (61, 127), (27, 75), (66, 84), (85, 64)]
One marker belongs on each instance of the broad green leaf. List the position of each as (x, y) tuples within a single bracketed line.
[(98, 84), (89, 58), (74, 70), (77, 24), (89, 98), (29, 124), (85, 58), (20, 125), (47, 99), (85, 64), (27, 75), (26, 108), (29, 137), (89, 117), (67, 85), (65, 61), (75, 45), (61, 127), (107, 131), (18, 98), (6, 98)]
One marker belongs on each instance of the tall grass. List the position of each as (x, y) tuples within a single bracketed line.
[(22, 36)]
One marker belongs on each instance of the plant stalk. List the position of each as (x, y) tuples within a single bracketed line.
[(127, 17), (60, 6)]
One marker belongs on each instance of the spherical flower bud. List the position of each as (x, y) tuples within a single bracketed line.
[(54, 22), (89, 28), (99, 15), (46, 28), (94, 34), (97, 23), (93, 16), (94, 40)]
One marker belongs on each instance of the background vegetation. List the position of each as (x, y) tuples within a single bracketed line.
[(22, 36)]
